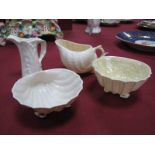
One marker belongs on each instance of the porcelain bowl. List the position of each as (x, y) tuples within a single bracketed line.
[(120, 75), (47, 91)]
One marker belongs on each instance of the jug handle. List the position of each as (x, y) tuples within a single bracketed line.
[(99, 47), (43, 50)]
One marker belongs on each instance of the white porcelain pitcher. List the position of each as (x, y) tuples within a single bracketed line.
[(28, 49), (77, 57)]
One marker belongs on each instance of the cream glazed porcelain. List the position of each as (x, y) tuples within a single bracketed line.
[(30, 60), (47, 91), (77, 57), (120, 75)]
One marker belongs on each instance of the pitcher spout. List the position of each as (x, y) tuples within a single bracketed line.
[(14, 39)]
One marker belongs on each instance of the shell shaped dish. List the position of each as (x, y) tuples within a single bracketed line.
[(121, 75), (48, 89), (76, 57)]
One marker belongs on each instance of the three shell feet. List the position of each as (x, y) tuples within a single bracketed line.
[(43, 113), (40, 115), (125, 96), (121, 95)]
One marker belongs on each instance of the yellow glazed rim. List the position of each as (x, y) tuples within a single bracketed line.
[(124, 60)]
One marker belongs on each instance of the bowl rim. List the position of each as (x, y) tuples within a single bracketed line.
[(90, 47), (130, 59)]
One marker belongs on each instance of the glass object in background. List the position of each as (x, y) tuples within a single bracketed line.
[(93, 26), (110, 22), (148, 24)]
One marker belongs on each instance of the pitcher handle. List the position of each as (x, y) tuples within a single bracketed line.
[(99, 47), (43, 50)]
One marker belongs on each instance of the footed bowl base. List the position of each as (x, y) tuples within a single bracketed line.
[(125, 96)]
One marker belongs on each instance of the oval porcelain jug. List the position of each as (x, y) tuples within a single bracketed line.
[(77, 57), (30, 60)]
